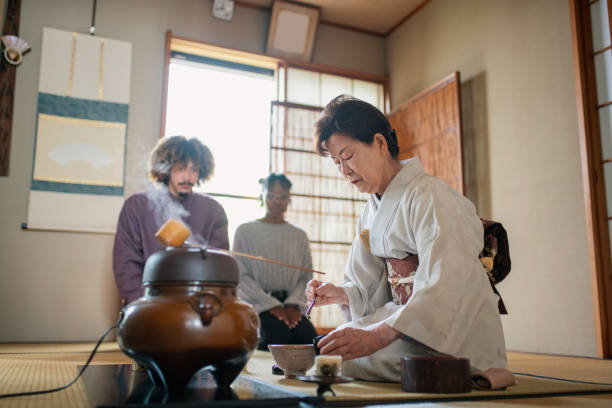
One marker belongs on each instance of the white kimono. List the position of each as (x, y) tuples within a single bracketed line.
[(451, 306)]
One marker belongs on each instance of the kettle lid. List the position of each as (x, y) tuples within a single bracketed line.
[(191, 264)]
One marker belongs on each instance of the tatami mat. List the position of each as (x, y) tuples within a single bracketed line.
[(114, 357), (32, 375), (48, 348), (33, 367), (27, 367), (576, 368), (261, 363)]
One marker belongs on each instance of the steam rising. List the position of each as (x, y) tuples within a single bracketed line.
[(199, 240), (164, 207), (163, 167)]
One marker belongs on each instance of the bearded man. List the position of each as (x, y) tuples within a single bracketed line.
[(176, 165)]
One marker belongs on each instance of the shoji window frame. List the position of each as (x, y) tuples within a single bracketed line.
[(321, 69), (197, 47)]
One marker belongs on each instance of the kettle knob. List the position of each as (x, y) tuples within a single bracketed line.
[(207, 304)]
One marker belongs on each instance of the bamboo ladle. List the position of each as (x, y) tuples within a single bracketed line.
[(175, 233)]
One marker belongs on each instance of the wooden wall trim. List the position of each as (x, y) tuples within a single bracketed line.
[(609, 16), (285, 81), (296, 105), (164, 101), (602, 50), (407, 17), (603, 105), (382, 79), (303, 64), (457, 75), (351, 28), (7, 88), (592, 172), (449, 78)]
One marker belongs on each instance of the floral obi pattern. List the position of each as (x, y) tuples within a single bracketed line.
[(401, 274)]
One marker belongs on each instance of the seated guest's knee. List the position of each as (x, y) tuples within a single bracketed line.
[(272, 331), (304, 332)]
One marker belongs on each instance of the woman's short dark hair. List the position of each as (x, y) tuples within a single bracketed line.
[(173, 150), (354, 118), (272, 178)]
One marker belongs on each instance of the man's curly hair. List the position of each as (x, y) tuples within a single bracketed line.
[(173, 150)]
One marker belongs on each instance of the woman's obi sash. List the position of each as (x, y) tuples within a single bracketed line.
[(401, 274), (495, 259)]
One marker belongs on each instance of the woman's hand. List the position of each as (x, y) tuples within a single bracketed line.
[(326, 293), (351, 343)]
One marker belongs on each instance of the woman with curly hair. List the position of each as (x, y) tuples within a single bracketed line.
[(176, 165)]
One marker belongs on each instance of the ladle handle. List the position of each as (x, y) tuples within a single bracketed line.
[(207, 304)]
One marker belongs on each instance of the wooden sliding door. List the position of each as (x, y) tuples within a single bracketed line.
[(428, 125), (592, 47)]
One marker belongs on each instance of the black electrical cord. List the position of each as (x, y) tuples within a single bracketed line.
[(22, 394)]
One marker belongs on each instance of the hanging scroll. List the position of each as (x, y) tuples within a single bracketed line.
[(79, 152)]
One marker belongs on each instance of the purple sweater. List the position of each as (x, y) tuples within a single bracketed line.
[(141, 217)]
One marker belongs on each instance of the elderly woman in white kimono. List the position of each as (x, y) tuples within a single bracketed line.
[(398, 305)]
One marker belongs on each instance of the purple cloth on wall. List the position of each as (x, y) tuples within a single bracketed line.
[(141, 217)]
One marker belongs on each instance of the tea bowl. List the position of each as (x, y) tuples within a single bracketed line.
[(293, 359)]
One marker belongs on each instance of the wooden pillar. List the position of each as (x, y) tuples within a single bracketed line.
[(598, 236), (7, 88)]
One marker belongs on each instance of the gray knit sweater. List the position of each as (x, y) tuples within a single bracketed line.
[(282, 242)]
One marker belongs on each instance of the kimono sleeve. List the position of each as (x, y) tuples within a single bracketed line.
[(448, 283), (365, 281)]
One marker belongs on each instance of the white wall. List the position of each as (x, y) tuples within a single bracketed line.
[(524, 168), (59, 286)]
